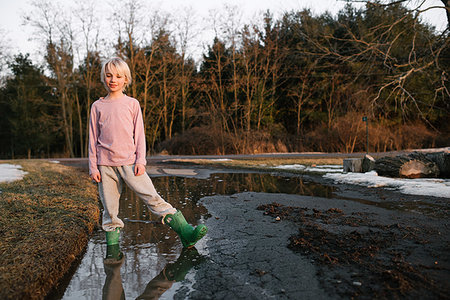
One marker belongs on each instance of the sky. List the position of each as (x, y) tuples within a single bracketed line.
[(17, 36)]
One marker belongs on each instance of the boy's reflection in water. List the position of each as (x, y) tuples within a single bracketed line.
[(173, 272), (113, 288)]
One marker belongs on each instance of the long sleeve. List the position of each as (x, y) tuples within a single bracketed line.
[(93, 138), (139, 137), (116, 133)]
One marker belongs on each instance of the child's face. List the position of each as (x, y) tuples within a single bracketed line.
[(114, 81)]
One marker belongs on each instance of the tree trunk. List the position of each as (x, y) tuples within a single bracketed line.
[(447, 11), (368, 163), (413, 165), (80, 124), (442, 160)]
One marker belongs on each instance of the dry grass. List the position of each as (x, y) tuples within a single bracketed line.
[(45, 222)]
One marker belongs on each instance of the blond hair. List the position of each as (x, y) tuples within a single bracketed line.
[(116, 65)]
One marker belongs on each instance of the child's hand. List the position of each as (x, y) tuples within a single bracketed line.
[(139, 169), (96, 177)]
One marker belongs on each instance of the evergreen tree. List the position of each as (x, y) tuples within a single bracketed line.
[(27, 107)]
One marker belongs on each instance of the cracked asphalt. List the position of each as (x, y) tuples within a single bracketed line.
[(248, 254)]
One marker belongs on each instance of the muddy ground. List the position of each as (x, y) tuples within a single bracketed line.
[(385, 245)]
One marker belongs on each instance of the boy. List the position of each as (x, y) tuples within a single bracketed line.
[(117, 155)]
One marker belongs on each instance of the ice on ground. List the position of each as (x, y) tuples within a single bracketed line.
[(291, 167), (9, 172), (325, 169), (422, 186)]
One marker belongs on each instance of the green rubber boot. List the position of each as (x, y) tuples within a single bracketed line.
[(112, 237), (188, 234), (113, 254), (188, 258)]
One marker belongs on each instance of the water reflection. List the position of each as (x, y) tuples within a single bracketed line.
[(173, 272), (184, 193), (113, 288), (152, 254)]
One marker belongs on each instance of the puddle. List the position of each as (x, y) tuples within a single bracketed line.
[(152, 252)]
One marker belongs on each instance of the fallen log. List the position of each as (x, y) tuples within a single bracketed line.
[(413, 165), (368, 163), (442, 160)]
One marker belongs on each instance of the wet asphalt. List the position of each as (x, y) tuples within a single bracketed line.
[(248, 254), (245, 254)]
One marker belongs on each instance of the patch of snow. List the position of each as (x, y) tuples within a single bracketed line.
[(325, 169), (433, 150), (221, 159), (422, 186), (291, 167), (10, 173), (55, 161), (316, 169)]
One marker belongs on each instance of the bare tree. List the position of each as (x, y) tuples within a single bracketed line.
[(4, 52), (56, 32), (390, 41), (271, 57), (415, 5), (447, 11), (185, 31), (218, 60), (128, 19), (302, 92), (87, 15), (375, 42), (231, 26), (259, 58)]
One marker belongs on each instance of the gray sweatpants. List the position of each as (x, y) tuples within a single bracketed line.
[(110, 188)]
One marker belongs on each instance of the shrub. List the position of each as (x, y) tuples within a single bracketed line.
[(213, 141)]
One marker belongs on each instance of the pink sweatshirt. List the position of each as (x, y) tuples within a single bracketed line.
[(116, 133)]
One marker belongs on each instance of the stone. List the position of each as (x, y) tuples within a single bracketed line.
[(352, 165)]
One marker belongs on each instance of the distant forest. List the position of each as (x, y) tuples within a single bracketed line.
[(295, 82)]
